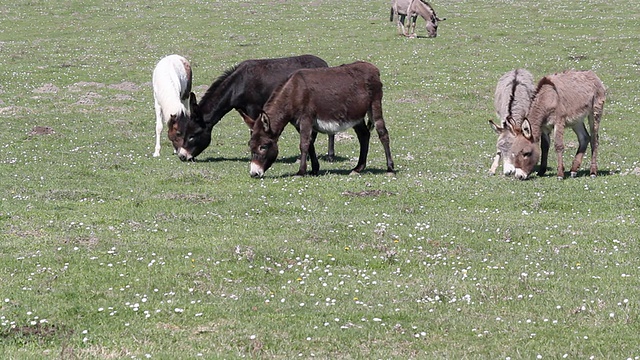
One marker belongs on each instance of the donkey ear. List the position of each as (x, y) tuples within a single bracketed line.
[(247, 119), (526, 129), (510, 125), (496, 128), (193, 102), (266, 123)]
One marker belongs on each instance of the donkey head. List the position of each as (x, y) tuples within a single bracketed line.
[(505, 141), (263, 144), (432, 26), (524, 152), (192, 133)]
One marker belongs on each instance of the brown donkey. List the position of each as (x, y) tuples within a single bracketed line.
[(327, 100), (562, 100)]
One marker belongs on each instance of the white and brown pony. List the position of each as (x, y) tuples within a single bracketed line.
[(562, 100), (512, 99), (171, 89), (413, 8)]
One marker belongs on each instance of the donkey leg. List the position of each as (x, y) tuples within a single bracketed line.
[(159, 123), (494, 165), (412, 25), (315, 165), (559, 146), (383, 134), (595, 127), (544, 149), (305, 139), (401, 29), (331, 147), (583, 142), (364, 134)]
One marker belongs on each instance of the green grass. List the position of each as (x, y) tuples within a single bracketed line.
[(107, 252)]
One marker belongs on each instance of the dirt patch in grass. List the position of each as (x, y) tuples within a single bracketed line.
[(77, 87), (192, 198), (366, 193), (46, 89), (41, 130), (39, 332), (126, 86), (88, 98)]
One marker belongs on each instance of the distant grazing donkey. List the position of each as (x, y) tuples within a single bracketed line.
[(562, 100), (171, 88), (413, 8), (512, 98), (327, 100)]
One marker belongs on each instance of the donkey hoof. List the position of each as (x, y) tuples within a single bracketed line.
[(593, 176), (574, 174), (560, 177)]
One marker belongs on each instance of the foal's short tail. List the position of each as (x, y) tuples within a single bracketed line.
[(391, 18)]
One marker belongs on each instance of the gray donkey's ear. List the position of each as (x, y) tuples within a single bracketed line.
[(496, 128)]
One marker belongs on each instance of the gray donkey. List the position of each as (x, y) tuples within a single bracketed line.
[(512, 99), (413, 8)]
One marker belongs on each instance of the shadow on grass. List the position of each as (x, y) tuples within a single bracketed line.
[(221, 159), (285, 160), (341, 172), (567, 174)]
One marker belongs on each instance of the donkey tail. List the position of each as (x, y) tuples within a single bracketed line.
[(391, 17)]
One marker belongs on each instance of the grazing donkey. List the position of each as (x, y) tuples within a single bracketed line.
[(171, 88), (512, 98), (245, 87), (562, 100), (413, 8), (327, 100)]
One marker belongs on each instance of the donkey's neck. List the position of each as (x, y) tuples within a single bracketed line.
[(214, 105), (542, 107), (424, 10), (217, 101)]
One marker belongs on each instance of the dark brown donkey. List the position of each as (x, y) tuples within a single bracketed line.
[(245, 87), (562, 100), (326, 100)]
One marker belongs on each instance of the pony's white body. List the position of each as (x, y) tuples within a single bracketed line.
[(171, 89)]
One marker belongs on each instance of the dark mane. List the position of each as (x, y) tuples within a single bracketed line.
[(212, 89), (426, 3), (512, 97), (544, 81), (433, 12)]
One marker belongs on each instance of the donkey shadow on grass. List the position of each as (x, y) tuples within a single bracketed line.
[(336, 159), (284, 160), (580, 173)]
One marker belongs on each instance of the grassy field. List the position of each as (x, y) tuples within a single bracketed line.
[(109, 253)]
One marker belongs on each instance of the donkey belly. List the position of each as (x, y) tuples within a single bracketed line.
[(334, 126)]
